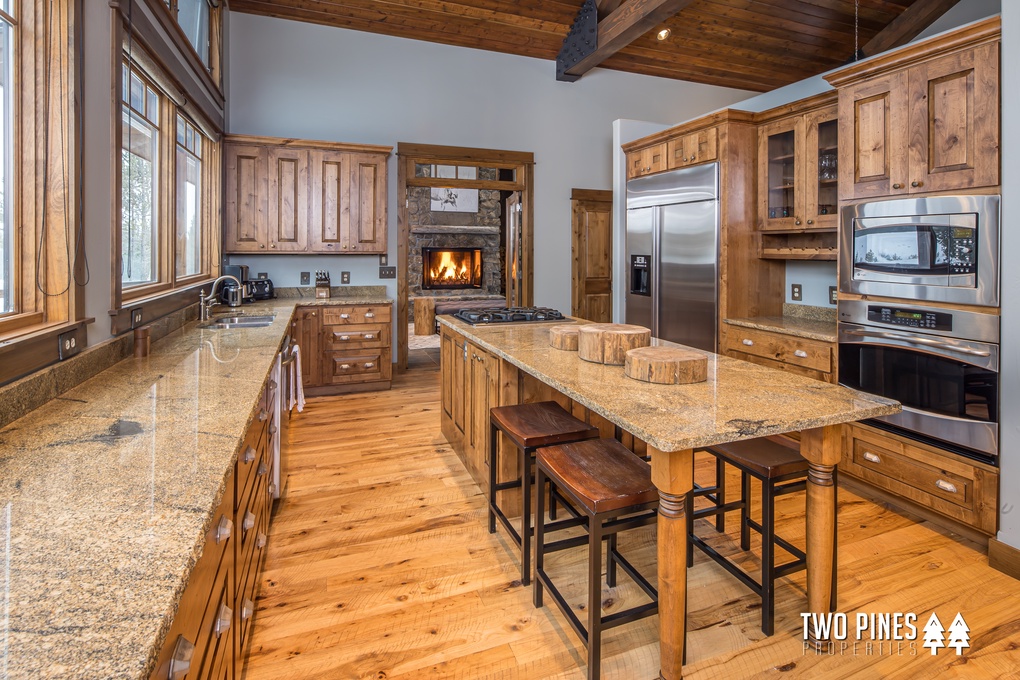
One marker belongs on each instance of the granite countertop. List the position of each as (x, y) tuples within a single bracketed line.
[(740, 400), (106, 493), (813, 329)]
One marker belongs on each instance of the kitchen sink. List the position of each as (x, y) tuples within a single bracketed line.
[(239, 321)]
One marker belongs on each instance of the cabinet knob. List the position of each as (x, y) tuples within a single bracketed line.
[(800, 353), (249, 454), (917, 184), (224, 529), (249, 521), (945, 486), (345, 246), (180, 661), (272, 245), (685, 159), (872, 457), (313, 313), (223, 620), (810, 221), (262, 245), (796, 221), (693, 158), (747, 342), (897, 186)]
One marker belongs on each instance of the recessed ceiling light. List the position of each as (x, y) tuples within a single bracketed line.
[(663, 34)]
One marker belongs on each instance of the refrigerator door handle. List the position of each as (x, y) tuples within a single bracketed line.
[(656, 266)]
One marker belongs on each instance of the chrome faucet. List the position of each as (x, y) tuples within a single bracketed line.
[(206, 303)]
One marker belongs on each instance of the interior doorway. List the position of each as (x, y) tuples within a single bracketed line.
[(453, 201), (592, 255)]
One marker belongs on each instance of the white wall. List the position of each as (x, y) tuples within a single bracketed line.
[(334, 84)]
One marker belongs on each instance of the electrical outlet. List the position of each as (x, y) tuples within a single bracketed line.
[(832, 295), (136, 317), (263, 275), (306, 278), (68, 344), (345, 277), (795, 292), (383, 261), (387, 272)]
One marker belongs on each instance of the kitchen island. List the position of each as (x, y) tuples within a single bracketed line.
[(739, 401)]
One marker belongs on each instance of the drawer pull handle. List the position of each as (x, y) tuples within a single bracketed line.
[(369, 315), (263, 468), (272, 489), (872, 457), (945, 486), (224, 529), (273, 429), (272, 385), (800, 353), (260, 541), (369, 336), (263, 415), (223, 620), (747, 342), (345, 316), (249, 454), (345, 337), (249, 521), (180, 662), (345, 367), (247, 609), (369, 364)]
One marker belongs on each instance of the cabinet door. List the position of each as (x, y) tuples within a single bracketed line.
[(781, 177), (483, 380), (287, 218), (330, 213), (646, 161), (873, 137), (954, 121), (461, 387), (701, 146), (306, 333), (244, 215), (821, 171), (367, 199)]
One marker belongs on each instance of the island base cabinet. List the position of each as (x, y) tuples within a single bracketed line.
[(952, 486)]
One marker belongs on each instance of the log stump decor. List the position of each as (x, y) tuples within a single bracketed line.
[(564, 337), (608, 343), (666, 365)]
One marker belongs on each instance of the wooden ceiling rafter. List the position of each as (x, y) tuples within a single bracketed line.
[(906, 26)]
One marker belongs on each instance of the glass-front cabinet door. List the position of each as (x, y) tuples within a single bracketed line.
[(822, 169), (780, 146)]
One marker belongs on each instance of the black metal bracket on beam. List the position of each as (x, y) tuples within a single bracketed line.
[(580, 42)]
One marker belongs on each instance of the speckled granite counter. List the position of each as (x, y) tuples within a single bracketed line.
[(106, 493), (813, 329), (739, 400)]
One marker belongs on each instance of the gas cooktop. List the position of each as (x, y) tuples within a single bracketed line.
[(509, 315)]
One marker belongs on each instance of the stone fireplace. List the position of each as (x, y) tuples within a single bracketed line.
[(449, 268)]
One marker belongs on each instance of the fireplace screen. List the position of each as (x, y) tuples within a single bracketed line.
[(451, 268)]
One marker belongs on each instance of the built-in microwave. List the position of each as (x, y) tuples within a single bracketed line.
[(938, 248)]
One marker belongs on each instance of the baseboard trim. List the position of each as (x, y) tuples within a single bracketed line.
[(1004, 558)]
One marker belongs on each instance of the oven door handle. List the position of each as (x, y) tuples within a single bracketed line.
[(924, 342)]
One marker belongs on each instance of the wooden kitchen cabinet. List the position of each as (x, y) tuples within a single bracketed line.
[(803, 356), (692, 148), (924, 476), (924, 118), (299, 196), (646, 160), (344, 348)]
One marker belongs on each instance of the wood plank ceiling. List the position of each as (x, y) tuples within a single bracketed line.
[(754, 45)]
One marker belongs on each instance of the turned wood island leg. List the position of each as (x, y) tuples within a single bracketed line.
[(673, 476), (821, 447)]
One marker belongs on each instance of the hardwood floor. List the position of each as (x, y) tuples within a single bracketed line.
[(380, 566)]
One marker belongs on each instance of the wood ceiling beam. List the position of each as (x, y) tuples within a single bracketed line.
[(906, 26), (607, 7), (627, 23)]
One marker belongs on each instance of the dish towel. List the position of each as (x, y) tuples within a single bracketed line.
[(297, 390)]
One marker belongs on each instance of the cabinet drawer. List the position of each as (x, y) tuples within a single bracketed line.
[(249, 459), (813, 354), (359, 314), (362, 367), (938, 480), (347, 337)]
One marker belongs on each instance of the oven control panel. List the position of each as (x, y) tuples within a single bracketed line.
[(911, 318), (962, 257)]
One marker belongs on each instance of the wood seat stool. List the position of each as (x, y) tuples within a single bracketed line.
[(613, 489), (777, 463), (529, 427)]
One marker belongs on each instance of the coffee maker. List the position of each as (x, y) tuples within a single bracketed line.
[(239, 272)]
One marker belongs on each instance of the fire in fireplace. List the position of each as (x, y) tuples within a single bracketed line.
[(445, 268)]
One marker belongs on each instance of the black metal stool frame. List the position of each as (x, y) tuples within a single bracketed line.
[(600, 526)]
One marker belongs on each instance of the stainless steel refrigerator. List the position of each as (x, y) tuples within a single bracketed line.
[(673, 255)]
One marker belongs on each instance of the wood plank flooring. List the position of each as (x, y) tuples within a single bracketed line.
[(380, 566)]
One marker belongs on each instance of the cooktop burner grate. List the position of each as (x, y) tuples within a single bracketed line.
[(508, 315)]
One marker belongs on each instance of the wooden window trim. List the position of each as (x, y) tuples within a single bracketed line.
[(215, 41)]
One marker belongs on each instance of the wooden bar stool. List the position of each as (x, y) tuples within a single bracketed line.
[(529, 427), (777, 463), (613, 489)]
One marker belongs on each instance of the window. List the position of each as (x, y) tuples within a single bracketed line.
[(193, 17), (166, 209), (7, 291)]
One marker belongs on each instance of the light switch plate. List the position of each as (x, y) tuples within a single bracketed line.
[(833, 296), (383, 261), (345, 277), (69, 344), (263, 275), (796, 292), (306, 278), (387, 272)]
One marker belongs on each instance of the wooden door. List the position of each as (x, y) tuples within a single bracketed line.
[(244, 215), (288, 181), (592, 255), (305, 331), (781, 175), (954, 121), (821, 177), (483, 384), (873, 137), (366, 195), (330, 214)]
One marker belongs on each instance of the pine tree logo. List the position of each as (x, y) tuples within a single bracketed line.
[(959, 634), (933, 634)]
